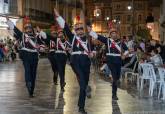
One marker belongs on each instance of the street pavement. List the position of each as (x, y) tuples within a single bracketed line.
[(49, 100)]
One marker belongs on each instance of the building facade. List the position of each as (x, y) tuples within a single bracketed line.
[(39, 11), (70, 9), (7, 7), (99, 13), (131, 15), (162, 22)]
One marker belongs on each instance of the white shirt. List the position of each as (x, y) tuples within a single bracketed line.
[(130, 44), (157, 60)]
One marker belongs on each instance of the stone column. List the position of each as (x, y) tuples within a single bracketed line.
[(20, 7)]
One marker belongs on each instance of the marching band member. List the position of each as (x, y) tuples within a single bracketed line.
[(28, 52), (115, 52), (51, 41), (80, 60), (58, 55), (61, 56)]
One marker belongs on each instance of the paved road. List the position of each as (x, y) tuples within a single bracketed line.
[(14, 98)]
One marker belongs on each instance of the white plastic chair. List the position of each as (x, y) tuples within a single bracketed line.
[(132, 73), (161, 72), (146, 72)]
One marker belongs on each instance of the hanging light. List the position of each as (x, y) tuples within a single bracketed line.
[(97, 12)]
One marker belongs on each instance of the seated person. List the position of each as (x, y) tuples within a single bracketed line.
[(1, 54), (156, 58), (105, 70), (129, 65), (140, 54)]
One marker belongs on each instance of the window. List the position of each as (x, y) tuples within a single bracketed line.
[(139, 6), (139, 27), (128, 18), (129, 29), (139, 18), (13, 6), (118, 6), (107, 13), (118, 17)]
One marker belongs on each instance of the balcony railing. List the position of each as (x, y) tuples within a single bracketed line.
[(40, 15)]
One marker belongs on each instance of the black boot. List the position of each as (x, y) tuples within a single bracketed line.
[(31, 95), (88, 92), (30, 90), (62, 87), (82, 111), (114, 97), (55, 79), (114, 90)]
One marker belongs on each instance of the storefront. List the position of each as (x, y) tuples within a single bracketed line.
[(4, 10), (4, 27)]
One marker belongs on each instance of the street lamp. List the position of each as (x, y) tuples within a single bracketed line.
[(131, 7), (114, 20), (97, 14), (107, 18)]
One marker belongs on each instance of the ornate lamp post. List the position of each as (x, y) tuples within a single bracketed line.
[(131, 8)]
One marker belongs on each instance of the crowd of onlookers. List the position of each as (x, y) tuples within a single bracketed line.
[(7, 50), (141, 51), (149, 51)]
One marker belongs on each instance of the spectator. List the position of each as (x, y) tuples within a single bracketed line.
[(140, 54), (161, 50), (142, 45), (162, 53), (105, 70), (130, 43), (13, 55), (129, 65), (156, 58), (1, 54)]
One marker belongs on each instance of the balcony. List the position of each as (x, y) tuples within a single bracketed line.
[(71, 3), (40, 15)]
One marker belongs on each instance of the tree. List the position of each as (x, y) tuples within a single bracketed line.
[(144, 34)]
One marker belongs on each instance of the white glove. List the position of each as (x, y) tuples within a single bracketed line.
[(93, 34), (60, 21)]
